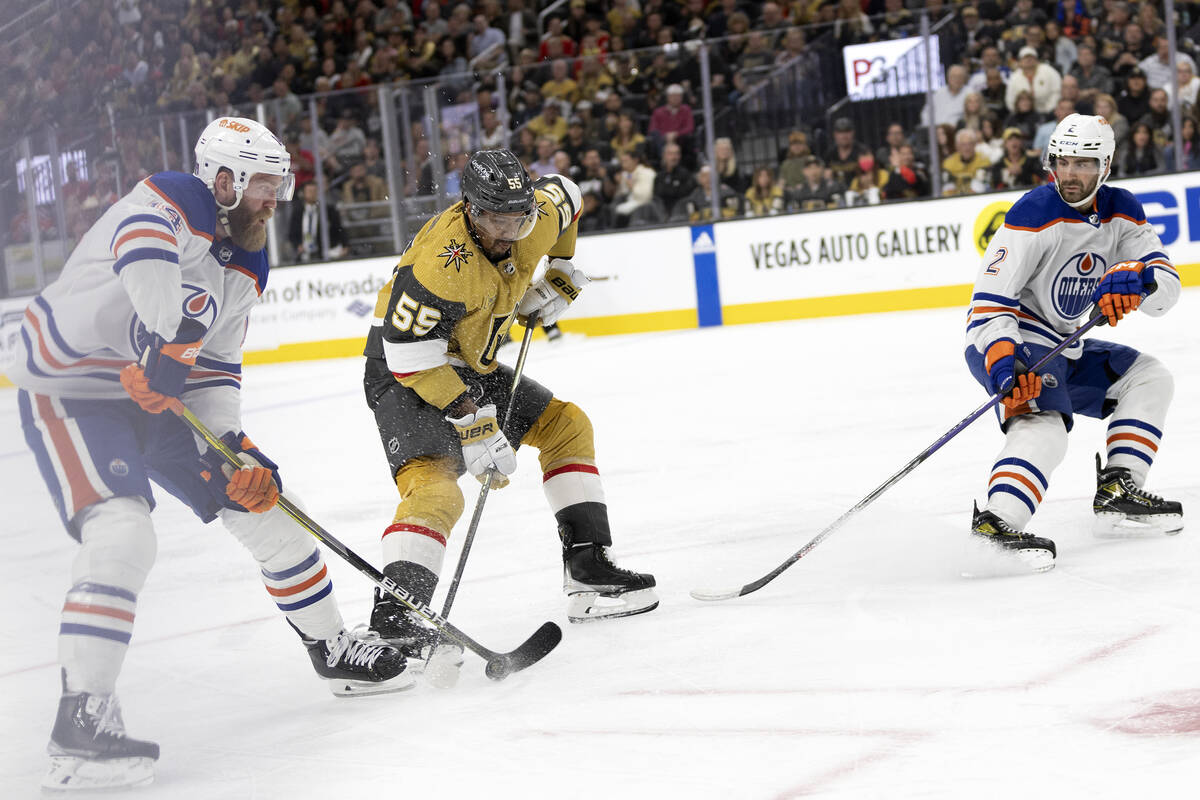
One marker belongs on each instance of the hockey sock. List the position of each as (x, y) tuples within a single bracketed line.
[(430, 505), (1143, 395), (565, 442), (1034, 446), (293, 569), (109, 570)]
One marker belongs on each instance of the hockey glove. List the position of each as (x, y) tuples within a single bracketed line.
[(163, 369), (550, 295), (1121, 290), (484, 445), (254, 488), (1009, 377)]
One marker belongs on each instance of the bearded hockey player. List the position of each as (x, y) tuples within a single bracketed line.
[(152, 306), (435, 385), (1064, 249)]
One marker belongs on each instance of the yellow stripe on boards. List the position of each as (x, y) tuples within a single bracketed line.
[(307, 351), (844, 304)]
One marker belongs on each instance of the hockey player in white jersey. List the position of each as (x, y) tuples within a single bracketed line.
[(151, 306), (1066, 248)]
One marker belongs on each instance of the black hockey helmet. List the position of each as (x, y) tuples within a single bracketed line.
[(500, 194)]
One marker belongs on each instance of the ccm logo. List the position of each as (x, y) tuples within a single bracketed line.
[(234, 125), (565, 287)]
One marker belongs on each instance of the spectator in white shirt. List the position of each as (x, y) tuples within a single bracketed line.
[(948, 100), (1158, 66), (1188, 82), (1033, 76)]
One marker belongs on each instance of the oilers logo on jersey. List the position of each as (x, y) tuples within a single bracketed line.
[(1074, 283), (199, 305)]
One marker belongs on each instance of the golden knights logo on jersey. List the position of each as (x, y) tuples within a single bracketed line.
[(1074, 283), (456, 254)]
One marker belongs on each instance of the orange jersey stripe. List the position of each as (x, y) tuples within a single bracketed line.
[(1133, 437), (300, 587), (144, 233), (1020, 479)]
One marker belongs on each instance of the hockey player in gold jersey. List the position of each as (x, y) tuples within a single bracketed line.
[(435, 385)]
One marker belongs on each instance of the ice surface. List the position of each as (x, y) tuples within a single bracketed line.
[(870, 669)]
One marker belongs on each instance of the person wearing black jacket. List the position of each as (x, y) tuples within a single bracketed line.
[(304, 228), (673, 182)]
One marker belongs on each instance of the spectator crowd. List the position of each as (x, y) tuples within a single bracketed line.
[(608, 93)]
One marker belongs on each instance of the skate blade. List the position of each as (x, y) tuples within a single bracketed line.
[(347, 688), (992, 561), (591, 606), (1121, 526), (71, 773)]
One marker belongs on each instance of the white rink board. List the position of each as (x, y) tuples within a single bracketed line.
[(908, 245)]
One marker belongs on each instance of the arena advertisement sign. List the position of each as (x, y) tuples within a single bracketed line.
[(891, 68)]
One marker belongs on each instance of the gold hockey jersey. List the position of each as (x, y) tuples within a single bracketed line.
[(447, 304)]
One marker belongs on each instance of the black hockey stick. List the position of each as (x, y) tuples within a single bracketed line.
[(530, 324), (1096, 319), (499, 665)]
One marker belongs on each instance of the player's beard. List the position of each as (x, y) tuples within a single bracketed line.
[(245, 230)]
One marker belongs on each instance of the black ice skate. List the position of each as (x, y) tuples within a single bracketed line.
[(89, 749), (1036, 552), (597, 588), (392, 621), (1124, 509), (358, 663)]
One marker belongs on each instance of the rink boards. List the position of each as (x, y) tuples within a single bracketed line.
[(922, 254)]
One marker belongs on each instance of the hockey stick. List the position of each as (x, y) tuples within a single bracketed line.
[(499, 665), (1096, 319), (530, 324)]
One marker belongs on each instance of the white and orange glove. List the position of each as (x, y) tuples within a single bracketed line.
[(550, 294)]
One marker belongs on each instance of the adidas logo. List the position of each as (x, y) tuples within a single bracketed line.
[(703, 243)]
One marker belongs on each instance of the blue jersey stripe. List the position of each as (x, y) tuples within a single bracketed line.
[(1129, 451), (1040, 331), (57, 336), (1023, 464), (212, 363), (307, 563), (103, 588), (209, 384), (145, 254), (308, 601), (153, 219), (995, 298), (70, 628), (1135, 423), (1015, 492)]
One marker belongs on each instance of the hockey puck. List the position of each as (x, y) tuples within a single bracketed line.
[(498, 668)]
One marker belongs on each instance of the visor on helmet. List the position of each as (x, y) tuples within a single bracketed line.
[(506, 227), (258, 189)]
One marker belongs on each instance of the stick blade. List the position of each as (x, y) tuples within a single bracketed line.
[(531, 651), (712, 596)]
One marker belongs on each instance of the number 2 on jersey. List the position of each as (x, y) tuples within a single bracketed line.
[(410, 314)]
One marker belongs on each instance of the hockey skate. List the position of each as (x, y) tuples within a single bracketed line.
[(1035, 552), (437, 658), (359, 663), (1125, 510), (598, 589), (89, 749)]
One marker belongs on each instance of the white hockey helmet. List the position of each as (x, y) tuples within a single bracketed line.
[(1082, 136), (246, 148)]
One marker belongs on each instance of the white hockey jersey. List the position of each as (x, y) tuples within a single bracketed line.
[(147, 263), (1036, 281)]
